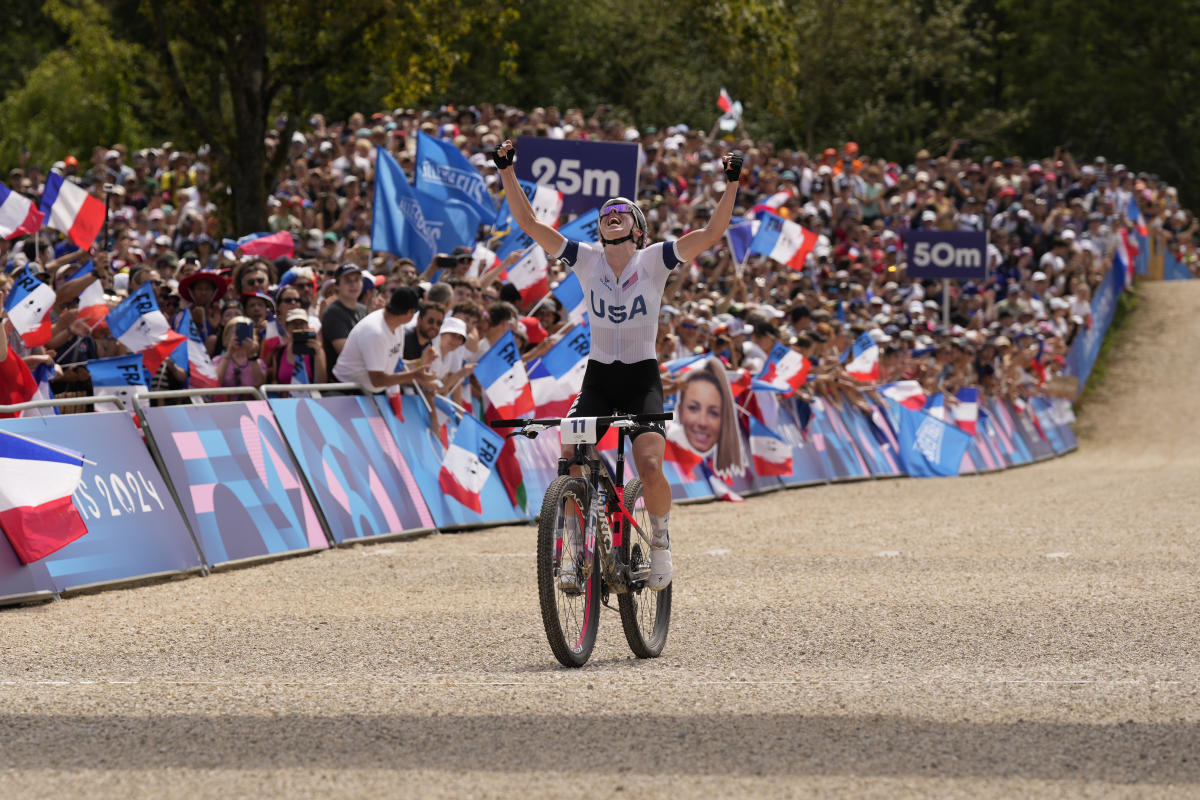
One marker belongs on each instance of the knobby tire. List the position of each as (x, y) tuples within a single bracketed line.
[(645, 613), (570, 620)]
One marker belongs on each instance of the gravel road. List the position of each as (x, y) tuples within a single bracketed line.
[(1030, 632)]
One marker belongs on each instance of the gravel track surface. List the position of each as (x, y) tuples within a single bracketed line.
[(1033, 632)]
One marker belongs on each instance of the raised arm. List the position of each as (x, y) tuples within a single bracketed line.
[(696, 242), (547, 238)]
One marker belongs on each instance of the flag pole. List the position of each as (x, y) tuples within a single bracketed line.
[(107, 195), (946, 304), (48, 446)]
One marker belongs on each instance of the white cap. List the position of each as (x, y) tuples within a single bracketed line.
[(878, 336), (454, 325), (1039, 276)]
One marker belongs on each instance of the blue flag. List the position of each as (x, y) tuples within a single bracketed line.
[(584, 228), (414, 225), (740, 233), (445, 173), (929, 448), (122, 376), (569, 292), (564, 356)]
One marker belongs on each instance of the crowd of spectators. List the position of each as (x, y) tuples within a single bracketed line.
[(1053, 224)]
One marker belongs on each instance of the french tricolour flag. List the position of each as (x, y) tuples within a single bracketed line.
[(1125, 256), (445, 418), (783, 240), (531, 276), (864, 363), (785, 370), (505, 382), (468, 462), (681, 366), (569, 292), (1134, 212), (966, 411), (772, 203), (724, 101), (202, 373), (37, 479), (28, 308), (18, 215), (558, 375), (907, 393), (93, 305), (70, 209), (771, 454), (139, 325)]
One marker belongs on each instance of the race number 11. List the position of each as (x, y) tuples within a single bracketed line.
[(578, 430)]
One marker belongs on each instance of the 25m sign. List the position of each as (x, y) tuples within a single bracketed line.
[(961, 255), (587, 173)]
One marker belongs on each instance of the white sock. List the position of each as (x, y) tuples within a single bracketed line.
[(658, 528)]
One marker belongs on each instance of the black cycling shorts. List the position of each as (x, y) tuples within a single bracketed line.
[(620, 388)]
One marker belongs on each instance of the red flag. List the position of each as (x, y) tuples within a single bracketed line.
[(16, 381), (724, 101), (277, 245), (507, 465)]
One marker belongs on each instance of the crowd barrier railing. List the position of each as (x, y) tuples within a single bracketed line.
[(200, 486)]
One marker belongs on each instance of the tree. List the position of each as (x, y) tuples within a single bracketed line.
[(78, 96), (236, 68)]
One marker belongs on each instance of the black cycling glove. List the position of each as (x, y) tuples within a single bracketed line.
[(733, 170), (503, 162)]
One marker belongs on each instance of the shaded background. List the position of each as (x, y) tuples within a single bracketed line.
[(1004, 77)]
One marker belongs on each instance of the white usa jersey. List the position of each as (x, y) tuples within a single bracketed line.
[(622, 312)]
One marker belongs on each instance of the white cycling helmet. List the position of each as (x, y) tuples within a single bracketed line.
[(639, 221)]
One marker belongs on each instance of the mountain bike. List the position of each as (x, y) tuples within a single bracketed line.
[(594, 542)]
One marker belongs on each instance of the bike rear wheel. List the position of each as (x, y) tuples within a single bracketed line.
[(645, 613), (570, 614)]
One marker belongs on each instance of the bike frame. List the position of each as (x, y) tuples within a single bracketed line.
[(618, 516)]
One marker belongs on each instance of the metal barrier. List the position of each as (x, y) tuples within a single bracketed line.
[(316, 388), (215, 390), (66, 402)]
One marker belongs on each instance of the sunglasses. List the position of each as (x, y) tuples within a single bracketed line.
[(283, 300), (616, 208), (260, 281), (690, 326)]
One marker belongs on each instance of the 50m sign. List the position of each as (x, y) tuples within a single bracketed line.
[(946, 254)]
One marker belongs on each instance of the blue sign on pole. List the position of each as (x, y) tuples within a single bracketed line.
[(587, 173), (961, 255)]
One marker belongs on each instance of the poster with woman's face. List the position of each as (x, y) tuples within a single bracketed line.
[(706, 419)]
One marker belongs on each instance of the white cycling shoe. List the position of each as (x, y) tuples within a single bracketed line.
[(661, 570)]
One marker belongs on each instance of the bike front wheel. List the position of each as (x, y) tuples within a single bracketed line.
[(645, 613), (568, 581)]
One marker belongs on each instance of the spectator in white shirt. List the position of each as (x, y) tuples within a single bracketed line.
[(373, 347)]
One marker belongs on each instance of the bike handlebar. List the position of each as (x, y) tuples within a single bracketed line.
[(639, 418)]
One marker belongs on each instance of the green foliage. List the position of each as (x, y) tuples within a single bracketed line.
[(77, 97), (1099, 77)]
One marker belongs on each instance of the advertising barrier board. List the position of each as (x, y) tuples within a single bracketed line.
[(361, 482), (422, 450), (238, 485)]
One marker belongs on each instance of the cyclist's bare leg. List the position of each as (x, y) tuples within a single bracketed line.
[(648, 452)]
